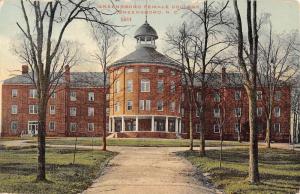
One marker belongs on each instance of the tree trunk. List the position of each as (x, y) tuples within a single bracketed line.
[(239, 131), (253, 144), (41, 170), (268, 133), (202, 142), (202, 131), (191, 127), (104, 115)]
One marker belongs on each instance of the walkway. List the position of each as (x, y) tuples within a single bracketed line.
[(148, 171)]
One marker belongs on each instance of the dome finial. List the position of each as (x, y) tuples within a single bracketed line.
[(146, 13)]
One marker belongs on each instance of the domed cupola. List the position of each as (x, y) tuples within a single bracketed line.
[(146, 36)]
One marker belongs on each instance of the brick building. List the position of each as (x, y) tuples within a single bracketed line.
[(72, 110), (147, 99)]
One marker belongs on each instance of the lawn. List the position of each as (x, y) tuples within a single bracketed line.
[(138, 142), (18, 170), (279, 170)]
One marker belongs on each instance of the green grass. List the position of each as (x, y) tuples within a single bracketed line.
[(18, 170), (137, 142), (279, 170)]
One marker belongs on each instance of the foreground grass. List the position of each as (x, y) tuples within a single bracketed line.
[(279, 170), (137, 142), (18, 170)]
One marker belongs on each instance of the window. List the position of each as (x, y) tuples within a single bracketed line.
[(216, 128), (182, 97), (172, 87), (33, 93), (33, 109), (198, 127), (73, 96), (172, 106), (118, 71), (129, 85), (237, 127), (117, 107), (277, 111), (145, 70), (107, 111), (182, 112), (14, 109), (51, 126), (73, 127), (217, 97), (277, 95), (14, 93), (107, 96), (53, 95), (148, 104), (117, 86), (198, 96), (217, 112), (91, 96), (145, 85), (73, 111), (259, 111), (237, 112), (197, 112), (14, 126), (129, 105), (160, 105), (160, 71), (91, 127), (259, 127), (258, 95), (276, 127), (91, 111), (129, 70), (52, 109), (160, 86), (237, 95), (173, 73), (141, 105)]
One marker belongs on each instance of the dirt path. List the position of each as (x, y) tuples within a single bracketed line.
[(148, 171)]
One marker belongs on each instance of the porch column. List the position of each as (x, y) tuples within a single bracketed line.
[(179, 126), (176, 125), (167, 124), (109, 125), (152, 123), (136, 123), (113, 124), (123, 124)]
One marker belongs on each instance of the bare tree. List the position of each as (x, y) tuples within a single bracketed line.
[(209, 37), (180, 43), (295, 135), (106, 40), (248, 68), (45, 53), (278, 63)]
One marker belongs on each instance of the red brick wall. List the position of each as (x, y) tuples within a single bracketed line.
[(23, 101), (228, 127)]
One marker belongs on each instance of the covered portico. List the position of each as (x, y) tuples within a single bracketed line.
[(153, 123)]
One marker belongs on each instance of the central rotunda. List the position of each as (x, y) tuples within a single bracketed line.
[(145, 91)]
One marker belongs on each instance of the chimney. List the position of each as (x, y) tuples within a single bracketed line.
[(24, 69), (67, 74), (223, 75)]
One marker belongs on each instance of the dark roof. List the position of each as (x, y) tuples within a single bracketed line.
[(77, 79), (146, 55), (145, 30), (86, 79)]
